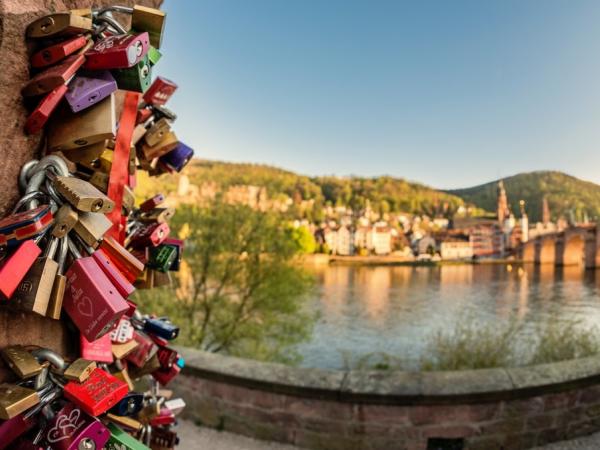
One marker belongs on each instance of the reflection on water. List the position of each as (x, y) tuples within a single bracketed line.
[(395, 309)]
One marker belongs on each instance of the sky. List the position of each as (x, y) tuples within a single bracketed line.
[(447, 93)]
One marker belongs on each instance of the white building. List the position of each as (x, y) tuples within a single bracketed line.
[(456, 250)]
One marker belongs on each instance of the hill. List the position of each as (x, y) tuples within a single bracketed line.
[(567, 196)]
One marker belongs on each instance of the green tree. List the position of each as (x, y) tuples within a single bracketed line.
[(305, 239), (243, 294)]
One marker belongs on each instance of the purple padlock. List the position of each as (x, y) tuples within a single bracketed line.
[(72, 429), (177, 158), (88, 88)]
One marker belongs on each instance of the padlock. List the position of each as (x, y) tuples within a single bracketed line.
[(117, 52), (178, 244), (177, 159), (162, 257), (120, 351), (146, 350), (119, 440), (83, 196), (164, 146), (159, 215), (149, 367), (176, 405), (160, 91), (12, 429), (129, 405), (122, 373), (162, 111), (165, 375), (68, 130), (100, 181), (21, 361), (136, 78), (60, 281), (16, 399), (16, 266), (160, 279), (163, 439), (80, 370), (55, 53), (161, 327), (33, 293), (164, 418), (153, 56), (99, 350), (124, 287), (40, 115), (128, 200), (167, 356), (152, 203), (87, 154), (91, 227), (150, 235), (58, 24), (100, 392), (150, 20), (64, 221), (91, 300), (72, 429), (89, 88), (123, 332), (150, 410), (157, 132), (53, 77), (127, 264), (143, 115), (84, 12), (25, 225), (125, 422)]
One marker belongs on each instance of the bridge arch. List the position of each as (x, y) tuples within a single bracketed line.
[(547, 251), (574, 250), (528, 250)]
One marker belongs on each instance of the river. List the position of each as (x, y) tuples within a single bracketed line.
[(365, 309)]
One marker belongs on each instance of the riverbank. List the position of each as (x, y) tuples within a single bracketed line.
[(319, 259)]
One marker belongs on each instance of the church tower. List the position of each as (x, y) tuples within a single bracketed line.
[(502, 210)]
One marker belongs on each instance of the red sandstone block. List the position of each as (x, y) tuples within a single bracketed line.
[(485, 443), (519, 408), (305, 407), (562, 400), (503, 426), (377, 414), (541, 422), (449, 431), (589, 395), (463, 414)]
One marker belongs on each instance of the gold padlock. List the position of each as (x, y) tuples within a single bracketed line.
[(85, 156), (100, 181), (120, 351), (123, 375), (16, 399), (91, 227), (60, 283), (64, 221), (128, 199), (58, 24), (83, 12), (157, 132), (159, 215), (80, 370), (165, 145), (68, 130), (21, 361), (83, 195), (125, 422), (138, 133), (151, 20)]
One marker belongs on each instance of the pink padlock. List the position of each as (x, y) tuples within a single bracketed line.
[(73, 429)]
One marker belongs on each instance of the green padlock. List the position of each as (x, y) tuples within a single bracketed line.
[(136, 78), (119, 440), (162, 257), (153, 56)]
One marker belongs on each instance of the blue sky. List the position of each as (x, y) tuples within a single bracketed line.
[(448, 93)]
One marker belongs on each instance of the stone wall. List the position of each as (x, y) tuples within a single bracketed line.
[(483, 409)]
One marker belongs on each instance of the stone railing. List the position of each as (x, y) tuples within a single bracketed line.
[(486, 409)]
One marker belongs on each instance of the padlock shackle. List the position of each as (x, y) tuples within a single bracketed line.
[(57, 361), (111, 22), (112, 8), (39, 195), (61, 258), (23, 178), (73, 248)]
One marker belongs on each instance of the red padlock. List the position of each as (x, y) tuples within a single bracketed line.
[(167, 357), (91, 300), (96, 395), (38, 118), (115, 276), (165, 376), (25, 225), (151, 203), (144, 351), (160, 91), (53, 54), (143, 115), (99, 350), (117, 52), (14, 269), (54, 76), (151, 235), (129, 266), (165, 417)]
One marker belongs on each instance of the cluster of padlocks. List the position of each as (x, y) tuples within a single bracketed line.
[(76, 246)]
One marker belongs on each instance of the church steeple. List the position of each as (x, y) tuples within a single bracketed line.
[(502, 211)]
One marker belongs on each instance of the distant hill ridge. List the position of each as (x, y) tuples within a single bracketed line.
[(567, 195)]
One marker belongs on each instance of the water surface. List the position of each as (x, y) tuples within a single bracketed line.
[(395, 309)]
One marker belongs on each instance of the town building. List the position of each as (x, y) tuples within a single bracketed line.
[(487, 239), (456, 249)]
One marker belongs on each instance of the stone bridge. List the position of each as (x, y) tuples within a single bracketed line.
[(579, 245)]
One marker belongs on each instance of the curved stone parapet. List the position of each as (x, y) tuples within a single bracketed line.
[(487, 409)]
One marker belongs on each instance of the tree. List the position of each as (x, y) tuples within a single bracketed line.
[(239, 291)]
